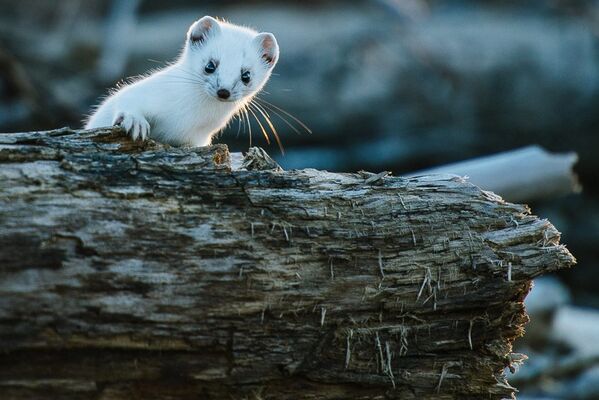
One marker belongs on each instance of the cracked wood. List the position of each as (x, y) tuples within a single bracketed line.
[(143, 271)]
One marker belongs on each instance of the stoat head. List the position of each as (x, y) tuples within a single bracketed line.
[(232, 62)]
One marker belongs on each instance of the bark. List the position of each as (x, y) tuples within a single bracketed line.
[(138, 271)]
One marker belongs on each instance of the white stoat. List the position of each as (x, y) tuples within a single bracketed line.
[(222, 66)]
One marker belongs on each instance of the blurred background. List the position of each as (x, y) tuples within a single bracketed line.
[(384, 85)]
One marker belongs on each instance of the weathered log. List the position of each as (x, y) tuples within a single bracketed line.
[(522, 175), (138, 271)]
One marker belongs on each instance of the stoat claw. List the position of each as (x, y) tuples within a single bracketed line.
[(134, 124)]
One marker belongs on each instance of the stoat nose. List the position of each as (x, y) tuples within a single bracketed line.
[(223, 94)]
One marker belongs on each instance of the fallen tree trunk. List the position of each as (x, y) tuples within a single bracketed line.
[(523, 175), (141, 271)]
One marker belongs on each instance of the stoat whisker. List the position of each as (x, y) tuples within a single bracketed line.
[(249, 124), (264, 133), (266, 117), (272, 106), (262, 109), (239, 120), (282, 118)]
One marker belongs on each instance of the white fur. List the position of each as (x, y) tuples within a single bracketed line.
[(178, 105)]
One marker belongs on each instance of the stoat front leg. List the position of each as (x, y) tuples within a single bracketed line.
[(134, 123)]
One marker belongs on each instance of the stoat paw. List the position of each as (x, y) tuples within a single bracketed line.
[(134, 124)]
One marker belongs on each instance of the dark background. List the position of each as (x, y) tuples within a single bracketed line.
[(383, 84)]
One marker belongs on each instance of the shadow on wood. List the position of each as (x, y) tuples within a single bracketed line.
[(147, 272)]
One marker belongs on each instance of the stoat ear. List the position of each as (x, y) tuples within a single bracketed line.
[(202, 29), (269, 48)]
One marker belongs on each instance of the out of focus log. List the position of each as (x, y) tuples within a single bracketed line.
[(527, 174), (137, 271), (115, 51)]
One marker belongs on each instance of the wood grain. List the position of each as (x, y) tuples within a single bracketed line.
[(138, 271)]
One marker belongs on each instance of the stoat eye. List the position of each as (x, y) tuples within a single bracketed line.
[(246, 77), (210, 67)]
